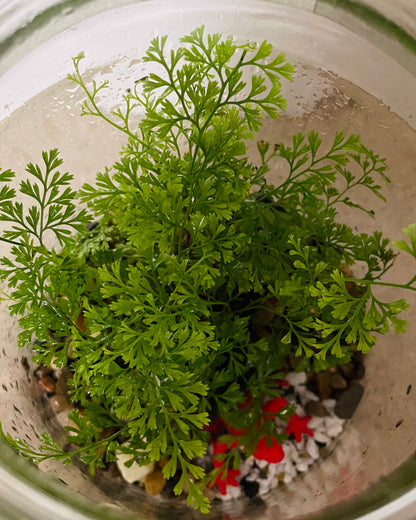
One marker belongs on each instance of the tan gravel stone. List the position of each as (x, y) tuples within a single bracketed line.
[(154, 482)]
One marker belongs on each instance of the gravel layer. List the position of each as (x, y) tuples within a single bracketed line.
[(259, 477), (323, 401)]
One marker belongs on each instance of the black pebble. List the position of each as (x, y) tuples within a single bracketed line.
[(92, 225), (348, 401), (250, 487), (204, 462), (167, 491)]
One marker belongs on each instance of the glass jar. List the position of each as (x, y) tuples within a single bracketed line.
[(356, 67)]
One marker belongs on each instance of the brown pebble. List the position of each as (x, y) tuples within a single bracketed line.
[(338, 382), (262, 317), (294, 360), (310, 377), (323, 382), (42, 370), (347, 370), (162, 462), (359, 372), (48, 384), (350, 286), (62, 384), (112, 470), (316, 408), (348, 401), (80, 322), (209, 493), (304, 455), (324, 452), (185, 489), (108, 432), (262, 332), (59, 403), (358, 358), (280, 476), (154, 482)]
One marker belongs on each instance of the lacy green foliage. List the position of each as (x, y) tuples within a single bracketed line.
[(47, 209), (192, 246)]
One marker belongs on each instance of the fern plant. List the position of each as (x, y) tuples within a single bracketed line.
[(154, 307)]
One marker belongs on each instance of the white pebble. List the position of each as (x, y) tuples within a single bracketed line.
[(288, 448), (321, 437), (300, 410), (312, 448), (316, 423), (298, 457), (254, 474), (262, 464), (273, 469), (329, 404), (64, 421), (307, 395), (337, 419), (135, 473), (250, 461), (302, 466), (274, 483), (333, 426), (265, 485), (300, 447), (232, 492), (302, 457), (296, 378), (288, 478), (290, 469), (279, 467), (245, 468)]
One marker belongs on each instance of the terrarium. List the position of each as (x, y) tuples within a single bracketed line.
[(218, 323)]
